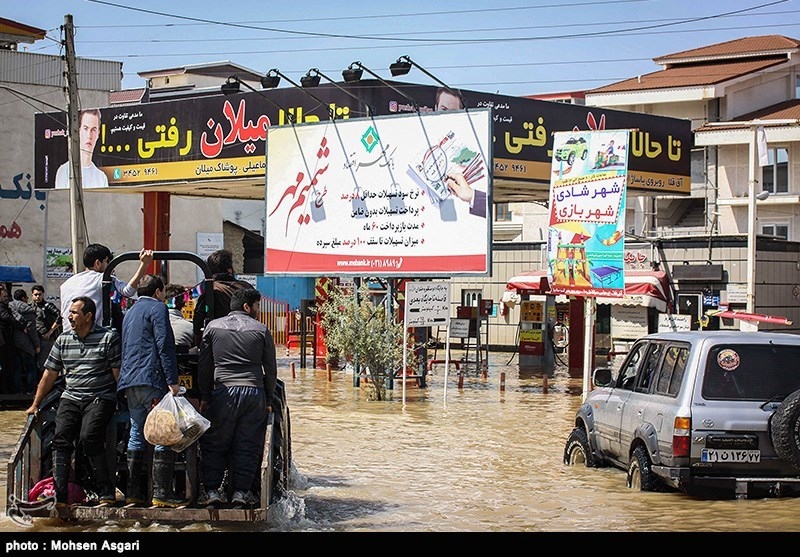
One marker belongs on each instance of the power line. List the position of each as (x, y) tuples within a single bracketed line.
[(337, 35), (391, 42), (26, 98), (357, 17), (384, 47), (474, 40), (139, 40)]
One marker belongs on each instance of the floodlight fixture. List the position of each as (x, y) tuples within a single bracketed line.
[(351, 73), (233, 85), (273, 77), (401, 67), (312, 79), (404, 64), (356, 70)]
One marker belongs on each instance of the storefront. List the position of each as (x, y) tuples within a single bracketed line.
[(619, 321)]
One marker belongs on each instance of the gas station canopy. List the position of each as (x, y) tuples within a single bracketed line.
[(642, 288)]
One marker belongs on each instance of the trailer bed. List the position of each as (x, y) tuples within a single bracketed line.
[(28, 465)]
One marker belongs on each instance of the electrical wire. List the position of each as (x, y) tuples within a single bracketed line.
[(608, 28), (383, 37)]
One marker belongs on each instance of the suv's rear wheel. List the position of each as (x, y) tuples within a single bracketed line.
[(640, 473), (784, 427), (577, 450)]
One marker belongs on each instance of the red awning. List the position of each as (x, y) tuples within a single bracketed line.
[(647, 288), (754, 317)]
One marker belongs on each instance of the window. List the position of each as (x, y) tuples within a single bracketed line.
[(627, 373), (471, 298), (775, 176), (650, 368), (677, 374), (602, 325), (502, 213), (699, 167), (751, 372), (777, 230), (672, 369)]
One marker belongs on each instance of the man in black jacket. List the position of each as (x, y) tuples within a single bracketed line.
[(8, 354), (225, 284), (237, 376), (48, 322)]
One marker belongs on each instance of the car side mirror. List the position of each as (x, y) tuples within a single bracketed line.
[(601, 377)]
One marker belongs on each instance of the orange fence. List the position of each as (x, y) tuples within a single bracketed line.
[(275, 315)]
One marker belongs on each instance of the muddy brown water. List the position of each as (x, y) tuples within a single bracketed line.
[(483, 457)]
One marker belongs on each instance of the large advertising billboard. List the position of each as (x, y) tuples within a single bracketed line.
[(586, 232), (405, 195), (223, 138)]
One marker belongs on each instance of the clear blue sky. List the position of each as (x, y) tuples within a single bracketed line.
[(508, 46)]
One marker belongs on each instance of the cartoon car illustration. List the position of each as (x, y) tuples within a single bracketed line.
[(571, 149)]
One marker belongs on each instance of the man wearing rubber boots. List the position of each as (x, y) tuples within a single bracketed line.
[(88, 355), (149, 370)]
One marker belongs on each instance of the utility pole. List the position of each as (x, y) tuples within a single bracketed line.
[(77, 221)]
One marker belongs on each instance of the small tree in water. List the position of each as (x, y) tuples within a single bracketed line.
[(362, 333)]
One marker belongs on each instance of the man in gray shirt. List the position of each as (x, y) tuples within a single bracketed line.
[(237, 376)]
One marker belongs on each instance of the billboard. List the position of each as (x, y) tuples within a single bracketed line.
[(223, 138), (586, 233), (523, 128), (405, 195), (202, 138)]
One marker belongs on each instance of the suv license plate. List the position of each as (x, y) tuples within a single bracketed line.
[(730, 455)]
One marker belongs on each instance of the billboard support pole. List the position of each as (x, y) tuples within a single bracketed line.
[(590, 309)]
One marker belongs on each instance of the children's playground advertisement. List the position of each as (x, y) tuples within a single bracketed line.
[(586, 233)]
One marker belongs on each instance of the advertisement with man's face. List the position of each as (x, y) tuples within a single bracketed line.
[(205, 138), (223, 137)]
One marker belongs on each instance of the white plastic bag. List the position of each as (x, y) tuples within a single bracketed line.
[(174, 422), (192, 423)]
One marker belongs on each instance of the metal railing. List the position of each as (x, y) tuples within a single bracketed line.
[(275, 315)]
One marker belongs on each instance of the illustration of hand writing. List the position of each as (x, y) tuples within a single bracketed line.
[(458, 184), (459, 187)]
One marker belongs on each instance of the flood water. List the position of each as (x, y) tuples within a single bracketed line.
[(483, 457)]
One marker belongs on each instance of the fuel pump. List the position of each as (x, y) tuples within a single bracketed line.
[(560, 337), (536, 330)]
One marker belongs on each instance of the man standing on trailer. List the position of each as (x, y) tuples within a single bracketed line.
[(237, 376)]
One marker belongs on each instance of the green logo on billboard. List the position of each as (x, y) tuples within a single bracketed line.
[(370, 139)]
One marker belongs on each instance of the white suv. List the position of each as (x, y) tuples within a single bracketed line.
[(704, 412)]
